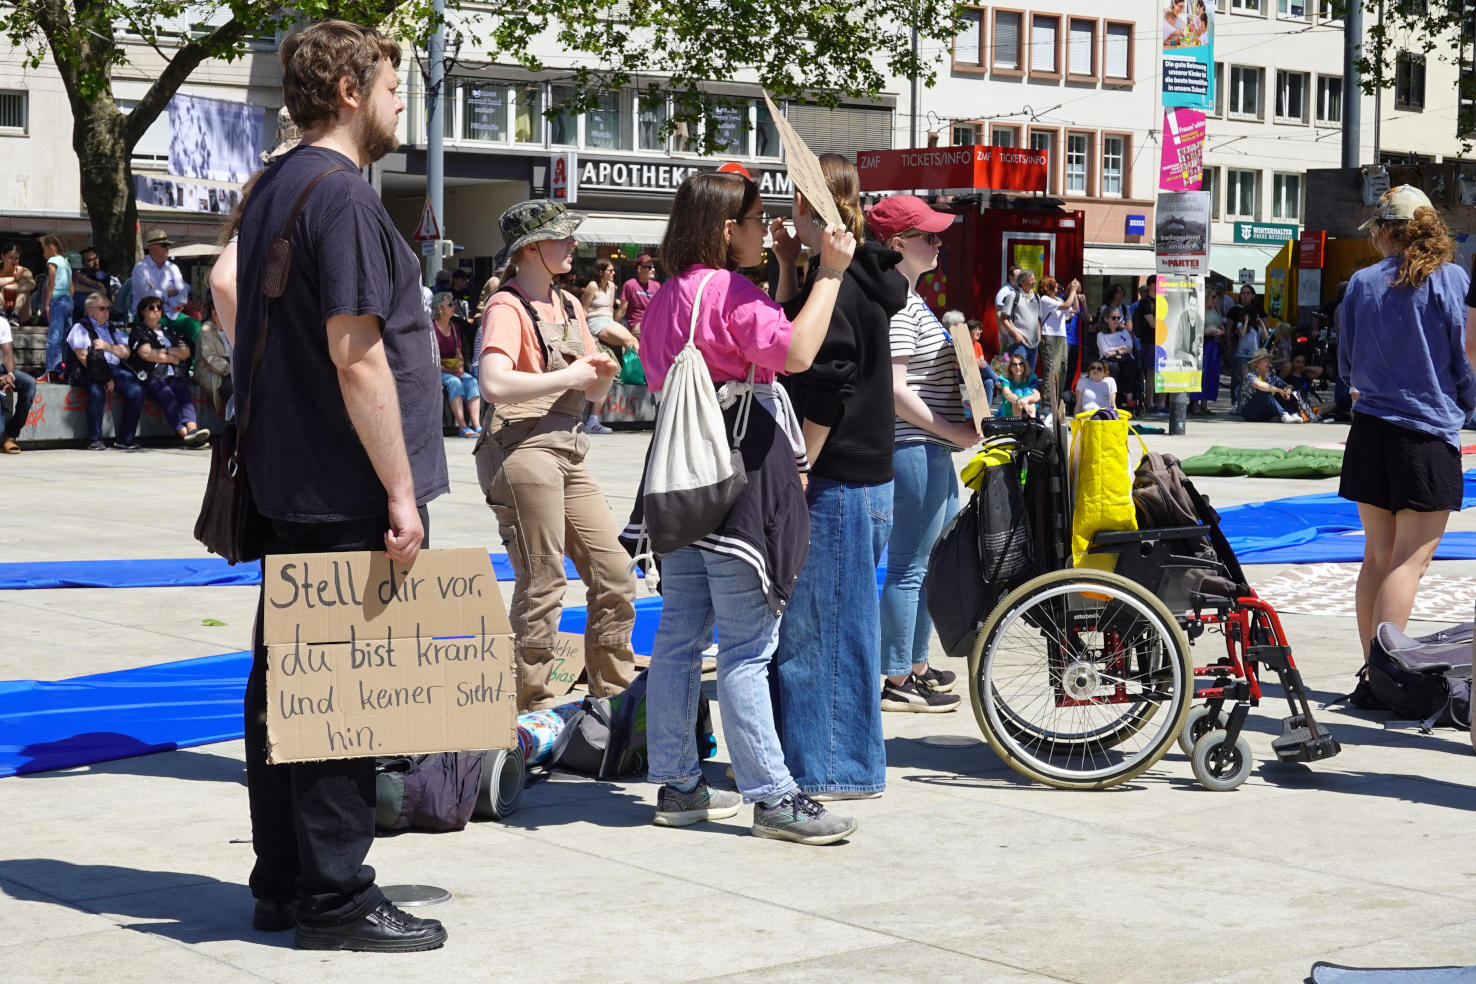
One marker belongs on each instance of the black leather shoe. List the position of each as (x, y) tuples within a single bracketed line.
[(385, 929), (274, 915)]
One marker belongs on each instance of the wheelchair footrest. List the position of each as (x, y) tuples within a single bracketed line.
[(1296, 743)]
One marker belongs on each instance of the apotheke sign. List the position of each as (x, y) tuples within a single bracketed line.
[(651, 178)]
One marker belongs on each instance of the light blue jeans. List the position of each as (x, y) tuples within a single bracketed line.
[(702, 591), (59, 315), (829, 654), (461, 386), (924, 498)]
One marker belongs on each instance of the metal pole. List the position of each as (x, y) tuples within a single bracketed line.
[(435, 157), (1379, 87), (916, 95), (1352, 93)]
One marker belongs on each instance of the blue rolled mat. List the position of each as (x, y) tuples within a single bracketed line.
[(58, 724), (184, 572)]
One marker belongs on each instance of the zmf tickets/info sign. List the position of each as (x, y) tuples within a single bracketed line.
[(369, 657)]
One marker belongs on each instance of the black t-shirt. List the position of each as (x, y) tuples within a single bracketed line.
[(1471, 291), (303, 457)]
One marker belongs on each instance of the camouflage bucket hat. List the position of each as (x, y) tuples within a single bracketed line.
[(533, 222)]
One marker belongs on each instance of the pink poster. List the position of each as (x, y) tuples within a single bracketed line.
[(1183, 150)]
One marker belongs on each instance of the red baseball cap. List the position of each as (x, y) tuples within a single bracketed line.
[(644, 259), (896, 214), (733, 167)]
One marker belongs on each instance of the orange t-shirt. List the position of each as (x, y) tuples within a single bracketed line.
[(506, 329)]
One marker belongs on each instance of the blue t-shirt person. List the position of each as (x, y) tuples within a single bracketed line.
[(1403, 349)]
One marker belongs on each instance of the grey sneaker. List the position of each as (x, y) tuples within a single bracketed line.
[(917, 695), (800, 819), (941, 681), (678, 809)]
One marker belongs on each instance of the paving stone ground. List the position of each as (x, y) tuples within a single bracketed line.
[(135, 870)]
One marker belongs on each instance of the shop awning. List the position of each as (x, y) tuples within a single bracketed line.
[(1118, 261), (640, 230), (1228, 260)]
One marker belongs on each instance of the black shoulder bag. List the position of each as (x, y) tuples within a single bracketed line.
[(229, 523)]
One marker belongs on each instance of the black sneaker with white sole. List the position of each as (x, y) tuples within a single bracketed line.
[(941, 681), (915, 694)]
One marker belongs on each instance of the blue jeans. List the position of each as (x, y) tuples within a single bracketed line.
[(924, 498), (462, 387), (25, 392), (131, 390), (829, 655), (59, 323), (174, 398), (702, 591)]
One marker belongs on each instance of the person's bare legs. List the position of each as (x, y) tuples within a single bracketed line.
[(1378, 547), (458, 412)]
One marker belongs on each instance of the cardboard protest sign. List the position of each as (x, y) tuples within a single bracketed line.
[(568, 662), (369, 657), (804, 168), (968, 365)]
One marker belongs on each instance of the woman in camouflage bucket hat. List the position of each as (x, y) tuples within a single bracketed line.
[(539, 369)]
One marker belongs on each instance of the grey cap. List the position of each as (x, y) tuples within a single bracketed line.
[(534, 222), (288, 136)]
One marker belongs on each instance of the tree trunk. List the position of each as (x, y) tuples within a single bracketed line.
[(107, 181)]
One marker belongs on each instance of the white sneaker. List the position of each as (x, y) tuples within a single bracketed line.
[(1291, 418), (595, 427)]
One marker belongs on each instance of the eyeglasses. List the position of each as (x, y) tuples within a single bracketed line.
[(645, 266), (105, 307), (932, 238), (762, 217), (1096, 368), (1113, 317)]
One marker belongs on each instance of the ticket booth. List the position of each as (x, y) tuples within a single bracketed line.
[(992, 231)]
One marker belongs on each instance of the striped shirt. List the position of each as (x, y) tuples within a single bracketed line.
[(932, 368)]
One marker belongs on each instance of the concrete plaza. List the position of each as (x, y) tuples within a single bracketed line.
[(135, 870)]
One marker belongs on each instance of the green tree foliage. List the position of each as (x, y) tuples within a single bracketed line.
[(1443, 30), (823, 50)]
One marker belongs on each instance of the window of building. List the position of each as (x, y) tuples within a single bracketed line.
[(964, 135), (1329, 99), (484, 110), (153, 147), (1409, 81), (1046, 140), (1243, 194), (1286, 197), (1114, 164), (1245, 91), (1291, 96), (1045, 45), (1081, 61), (607, 124), (1292, 9), (1078, 147), (1219, 109), (651, 117), (968, 42), (1247, 6), (844, 130), (1009, 39), (1004, 136), (528, 114), (765, 132), (563, 125), (1117, 62), (1210, 184), (15, 110), (729, 121), (1329, 10)]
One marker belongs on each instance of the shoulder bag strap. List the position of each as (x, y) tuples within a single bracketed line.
[(280, 248), (527, 303)]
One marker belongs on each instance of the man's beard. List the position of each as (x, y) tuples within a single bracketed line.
[(373, 140)]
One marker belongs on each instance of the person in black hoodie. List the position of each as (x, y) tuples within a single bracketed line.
[(829, 657)]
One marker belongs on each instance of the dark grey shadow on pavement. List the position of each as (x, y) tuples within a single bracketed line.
[(202, 910), (192, 766)]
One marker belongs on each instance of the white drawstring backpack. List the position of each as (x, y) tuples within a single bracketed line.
[(693, 475)]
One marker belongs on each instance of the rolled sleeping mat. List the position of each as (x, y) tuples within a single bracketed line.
[(502, 784), (538, 730)]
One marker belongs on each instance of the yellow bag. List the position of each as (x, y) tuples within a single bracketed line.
[(993, 455), (1103, 485)]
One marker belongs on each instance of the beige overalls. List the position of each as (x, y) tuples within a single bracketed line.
[(530, 463)]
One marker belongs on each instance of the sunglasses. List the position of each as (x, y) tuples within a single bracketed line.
[(762, 217), (1113, 317), (152, 307), (933, 239), (645, 266), (1096, 368)]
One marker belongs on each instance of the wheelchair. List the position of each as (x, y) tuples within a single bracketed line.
[(1082, 678)]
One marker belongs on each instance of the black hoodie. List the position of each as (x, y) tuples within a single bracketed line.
[(848, 387)]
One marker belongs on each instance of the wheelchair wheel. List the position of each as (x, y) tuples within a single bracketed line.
[(1219, 764), (1195, 725), (1080, 679)]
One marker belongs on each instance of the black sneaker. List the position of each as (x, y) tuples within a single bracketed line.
[(675, 808), (127, 446), (941, 681), (384, 929), (915, 694), (97, 446)]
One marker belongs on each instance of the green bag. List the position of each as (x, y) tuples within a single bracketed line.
[(632, 373)]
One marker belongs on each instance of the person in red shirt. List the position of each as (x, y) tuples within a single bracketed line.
[(636, 294)]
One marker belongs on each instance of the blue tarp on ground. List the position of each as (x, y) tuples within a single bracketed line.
[(57, 724), (184, 572)]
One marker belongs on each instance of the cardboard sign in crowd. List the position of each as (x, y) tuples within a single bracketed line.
[(367, 657)]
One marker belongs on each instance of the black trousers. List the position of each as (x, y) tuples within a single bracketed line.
[(312, 823)]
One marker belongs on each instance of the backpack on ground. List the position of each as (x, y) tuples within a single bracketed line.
[(693, 475), (1420, 680), (427, 792), (606, 737)]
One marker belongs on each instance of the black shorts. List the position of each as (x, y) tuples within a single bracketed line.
[(1393, 468)]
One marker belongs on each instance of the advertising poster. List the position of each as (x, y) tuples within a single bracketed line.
[(214, 139), (168, 193), (1180, 334), (1182, 234), (1183, 150), (1189, 54)]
